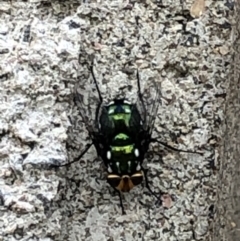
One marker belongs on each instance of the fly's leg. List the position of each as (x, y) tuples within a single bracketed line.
[(99, 93), (173, 148), (157, 196), (121, 202), (77, 158), (95, 82), (141, 96)]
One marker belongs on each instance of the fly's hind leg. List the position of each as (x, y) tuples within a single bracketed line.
[(87, 147), (121, 202), (157, 196)]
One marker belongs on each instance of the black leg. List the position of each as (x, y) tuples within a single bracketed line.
[(95, 82), (158, 197), (121, 203), (77, 158), (99, 93), (173, 148), (140, 96)]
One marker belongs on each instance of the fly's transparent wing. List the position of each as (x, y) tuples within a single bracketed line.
[(148, 101)]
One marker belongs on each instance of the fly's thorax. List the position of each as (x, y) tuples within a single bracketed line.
[(118, 116)]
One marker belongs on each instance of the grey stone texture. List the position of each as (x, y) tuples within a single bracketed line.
[(191, 50)]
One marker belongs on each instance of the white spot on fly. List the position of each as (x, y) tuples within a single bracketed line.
[(127, 102), (138, 168), (109, 169), (136, 152), (110, 111), (127, 111), (109, 155), (110, 103), (141, 123)]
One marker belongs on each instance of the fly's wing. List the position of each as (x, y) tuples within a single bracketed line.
[(148, 101), (87, 105)]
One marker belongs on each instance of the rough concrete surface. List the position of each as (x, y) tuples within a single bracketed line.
[(186, 47), (227, 221)]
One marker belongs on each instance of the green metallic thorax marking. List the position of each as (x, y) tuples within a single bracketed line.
[(125, 149), (121, 136), (125, 116)]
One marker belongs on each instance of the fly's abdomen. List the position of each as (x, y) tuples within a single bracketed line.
[(124, 170), (124, 155)]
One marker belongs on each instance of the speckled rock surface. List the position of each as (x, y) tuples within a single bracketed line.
[(227, 221), (40, 42)]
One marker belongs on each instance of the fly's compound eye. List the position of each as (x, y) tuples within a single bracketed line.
[(114, 180), (137, 178)]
